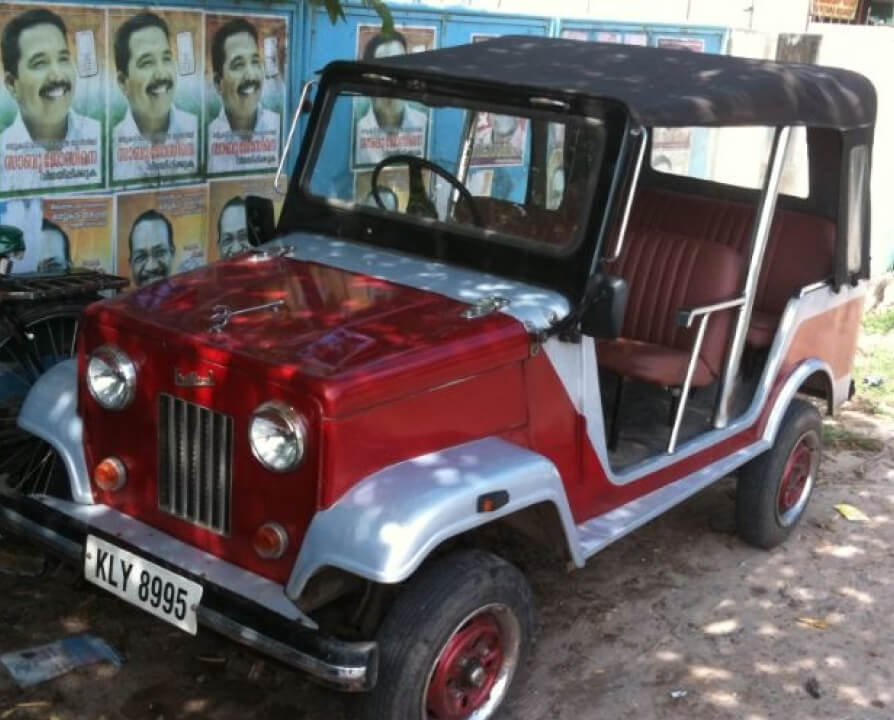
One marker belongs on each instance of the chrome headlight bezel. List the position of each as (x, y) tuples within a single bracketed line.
[(122, 364), (295, 430)]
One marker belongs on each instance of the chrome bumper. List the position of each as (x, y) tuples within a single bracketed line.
[(244, 607)]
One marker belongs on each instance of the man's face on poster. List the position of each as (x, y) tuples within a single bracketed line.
[(232, 236), (151, 76), (242, 76), (152, 251), (504, 126), (54, 252), (385, 107), (44, 82)]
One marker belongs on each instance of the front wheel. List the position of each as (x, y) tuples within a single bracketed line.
[(453, 641), (773, 489)]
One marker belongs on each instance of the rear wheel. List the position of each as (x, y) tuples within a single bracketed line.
[(773, 489), (453, 641), (29, 465)]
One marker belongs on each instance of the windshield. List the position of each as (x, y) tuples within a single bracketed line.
[(511, 176)]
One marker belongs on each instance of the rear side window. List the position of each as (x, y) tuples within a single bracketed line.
[(857, 196), (733, 156)]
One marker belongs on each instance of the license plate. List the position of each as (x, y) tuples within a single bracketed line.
[(143, 583)]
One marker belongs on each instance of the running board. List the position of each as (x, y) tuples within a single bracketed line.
[(601, 531)]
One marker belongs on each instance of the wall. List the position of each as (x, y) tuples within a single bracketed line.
[(868, 50)]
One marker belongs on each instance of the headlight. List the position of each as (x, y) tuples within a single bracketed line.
[(111, 377), (277, 436)]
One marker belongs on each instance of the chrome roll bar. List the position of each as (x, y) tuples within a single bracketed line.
[(285, 151), (759, 238), (631, 193)]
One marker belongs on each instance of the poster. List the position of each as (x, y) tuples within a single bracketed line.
[(671, 147), (155, 101), (161, 232), (27, 216), (53, 98), (384, 126), (555, 165), (393, 186), (570, 34), (499, 139), (77, 232), (227, 231), (245, 91)]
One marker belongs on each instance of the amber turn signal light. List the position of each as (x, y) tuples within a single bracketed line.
[(110, 475), (270, 541)]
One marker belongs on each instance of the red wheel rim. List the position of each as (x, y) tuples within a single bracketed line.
[(796, 481), (467, 669)]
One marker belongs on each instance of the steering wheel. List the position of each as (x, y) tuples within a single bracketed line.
[(419, 204)]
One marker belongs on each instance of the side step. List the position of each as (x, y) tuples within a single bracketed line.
[(601, 531)]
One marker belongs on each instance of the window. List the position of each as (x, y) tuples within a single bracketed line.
[(857, 194), (733, 156), (467, 165)]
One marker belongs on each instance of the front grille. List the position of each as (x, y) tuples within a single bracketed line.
[(194, 463)]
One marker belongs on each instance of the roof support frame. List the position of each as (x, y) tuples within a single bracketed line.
[(760, 235)]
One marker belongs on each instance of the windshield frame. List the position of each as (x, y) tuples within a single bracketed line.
[(303, 212), (470, 103)]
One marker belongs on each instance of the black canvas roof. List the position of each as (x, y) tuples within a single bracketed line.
[(660, 87)]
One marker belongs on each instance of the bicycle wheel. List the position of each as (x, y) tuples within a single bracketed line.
[(29, 465)]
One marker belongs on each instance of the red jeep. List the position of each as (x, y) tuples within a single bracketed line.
[(299, 447)]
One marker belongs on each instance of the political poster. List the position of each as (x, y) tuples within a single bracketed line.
[(245, 91), (156, 99), (227, 227), (672, 147), (26, 215), (161, 232), (393, 189), (384, 126), (77, 232), (53, 99)]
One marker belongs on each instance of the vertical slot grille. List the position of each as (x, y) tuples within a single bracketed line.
[(194, 463)]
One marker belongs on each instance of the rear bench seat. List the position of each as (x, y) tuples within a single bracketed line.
[(800, 251)]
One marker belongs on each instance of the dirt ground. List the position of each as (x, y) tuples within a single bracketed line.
[(678, 620)]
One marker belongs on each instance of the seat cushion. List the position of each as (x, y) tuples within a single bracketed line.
[(649, 362), (762, 329)]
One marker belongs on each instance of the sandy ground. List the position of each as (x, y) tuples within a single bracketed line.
[(679, 620)]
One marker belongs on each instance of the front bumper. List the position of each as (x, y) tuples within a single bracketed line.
[(242, 606)]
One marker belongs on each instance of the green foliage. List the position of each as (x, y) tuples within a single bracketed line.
[(879, 323), (336, 12)]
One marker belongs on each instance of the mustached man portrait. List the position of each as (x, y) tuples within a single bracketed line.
[(47, 144)]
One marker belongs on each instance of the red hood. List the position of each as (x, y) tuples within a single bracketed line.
[(352, 340)]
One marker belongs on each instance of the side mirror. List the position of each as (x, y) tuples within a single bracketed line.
[(259, 219), (604, 316)]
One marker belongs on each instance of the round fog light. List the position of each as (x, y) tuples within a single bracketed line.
[(270, 541), (110, 475)]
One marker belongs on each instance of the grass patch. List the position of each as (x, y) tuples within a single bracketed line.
[(879, 323), (839, 438)]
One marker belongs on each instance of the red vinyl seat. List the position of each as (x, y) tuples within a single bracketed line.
[(800, 251), (666, 273)]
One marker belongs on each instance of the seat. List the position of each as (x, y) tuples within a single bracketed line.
[(666, 273), (800, 249)]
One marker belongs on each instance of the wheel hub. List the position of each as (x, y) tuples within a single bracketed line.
[(797, 480), (466, 670)]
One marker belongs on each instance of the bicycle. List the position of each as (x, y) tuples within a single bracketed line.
[(39, 321)]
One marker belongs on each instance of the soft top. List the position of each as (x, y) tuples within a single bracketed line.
[(660, 87)]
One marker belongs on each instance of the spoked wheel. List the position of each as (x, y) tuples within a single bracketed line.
[(28, 465), (453, 641), (773, 489)]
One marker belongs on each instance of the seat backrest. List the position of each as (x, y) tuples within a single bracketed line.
[(800, 251), (667, 272)]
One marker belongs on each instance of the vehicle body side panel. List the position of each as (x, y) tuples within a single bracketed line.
[(386, 525)]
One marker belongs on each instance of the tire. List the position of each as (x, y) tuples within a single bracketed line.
[(453, 641), (774, 489), (27, 463)]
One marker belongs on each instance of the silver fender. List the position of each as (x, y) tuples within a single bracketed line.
[(50, 412), (792, 384), (384, 527)]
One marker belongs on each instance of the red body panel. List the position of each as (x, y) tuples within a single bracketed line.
[(381, 372)]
